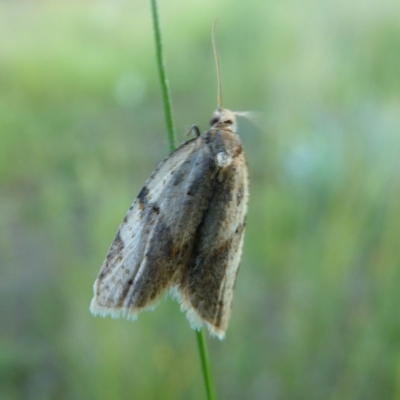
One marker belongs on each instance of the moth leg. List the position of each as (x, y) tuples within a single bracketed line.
[(194, 128)]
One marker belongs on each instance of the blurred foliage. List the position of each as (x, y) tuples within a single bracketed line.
[(316, 309)]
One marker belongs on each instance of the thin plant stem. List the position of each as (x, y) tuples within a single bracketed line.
[(163, 77), (205, 364), (201, 340)]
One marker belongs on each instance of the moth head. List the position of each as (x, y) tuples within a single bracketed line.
[(224, 119)]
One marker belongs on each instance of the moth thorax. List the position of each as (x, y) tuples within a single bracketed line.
[(223, 159)]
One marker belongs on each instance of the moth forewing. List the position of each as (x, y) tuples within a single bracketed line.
[(207, 288), (150, 244)]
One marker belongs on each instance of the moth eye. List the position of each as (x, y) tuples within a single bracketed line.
[(214, 121), (228, 121)]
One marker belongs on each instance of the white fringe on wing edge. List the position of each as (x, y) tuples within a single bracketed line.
[(195, 321)]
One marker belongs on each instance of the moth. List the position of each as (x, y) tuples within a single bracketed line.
[(184, 231)]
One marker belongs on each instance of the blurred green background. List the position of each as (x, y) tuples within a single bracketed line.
[(316, 311)]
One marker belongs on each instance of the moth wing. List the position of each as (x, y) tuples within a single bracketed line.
[(207, 292), (155, 240)]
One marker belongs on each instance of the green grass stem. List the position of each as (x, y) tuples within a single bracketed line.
[(163, 77), (201, 340), (205, 364)]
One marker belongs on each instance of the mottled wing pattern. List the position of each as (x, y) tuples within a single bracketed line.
[(207, 287), (156, 237)]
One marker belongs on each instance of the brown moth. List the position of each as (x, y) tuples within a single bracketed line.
[(184, 232)]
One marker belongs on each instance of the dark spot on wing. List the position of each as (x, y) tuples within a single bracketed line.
[(143, 193), (180, 175), (156, 209), (116, 247), (125, 292), (191, 191), (223, 247), (142, 197), (241, 227), (239, 195)]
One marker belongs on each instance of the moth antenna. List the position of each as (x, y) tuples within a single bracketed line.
[(246, 114), (214, 44), (253, 116)]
